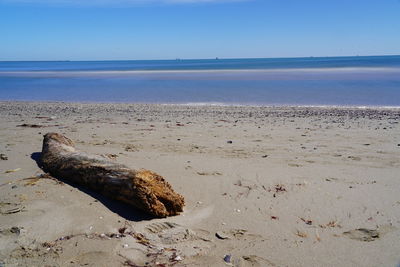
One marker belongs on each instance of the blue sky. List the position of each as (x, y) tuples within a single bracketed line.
[(168, 29)]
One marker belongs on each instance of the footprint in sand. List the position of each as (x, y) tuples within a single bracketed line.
[(368, 235), (167, 243), (192, 243), (160, 227), (187, 242), (7, 208), (363, 234), (13, 231), (173, 233)]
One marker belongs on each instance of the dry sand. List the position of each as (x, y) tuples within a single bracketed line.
[(264, 186)]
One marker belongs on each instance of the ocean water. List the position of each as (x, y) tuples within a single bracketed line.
[(338, 81)]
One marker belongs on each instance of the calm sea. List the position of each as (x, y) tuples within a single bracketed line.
[(342, 81)]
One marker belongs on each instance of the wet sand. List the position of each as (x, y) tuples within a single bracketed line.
[(264, 186)]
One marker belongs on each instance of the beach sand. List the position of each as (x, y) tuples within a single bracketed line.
[(264, 186)]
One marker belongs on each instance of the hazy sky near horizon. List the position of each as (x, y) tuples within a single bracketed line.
[(169, 29)]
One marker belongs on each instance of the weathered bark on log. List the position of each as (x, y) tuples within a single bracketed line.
[(143, 189)]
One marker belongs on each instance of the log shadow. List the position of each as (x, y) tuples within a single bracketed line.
[(124, 210), (36, 157)]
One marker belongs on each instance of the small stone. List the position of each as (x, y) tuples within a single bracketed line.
[(3, 157), (15, 230), (227, 258), (229, 142), (13, 187), (125, 246), (178, 258)]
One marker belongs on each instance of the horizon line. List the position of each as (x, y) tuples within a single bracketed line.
[(211, 58)]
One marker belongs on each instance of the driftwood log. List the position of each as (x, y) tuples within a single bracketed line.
[(143, 189)]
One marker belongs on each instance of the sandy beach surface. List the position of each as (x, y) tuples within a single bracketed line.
[(264, 186)]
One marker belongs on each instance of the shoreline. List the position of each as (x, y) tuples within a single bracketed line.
[(207, 104)]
